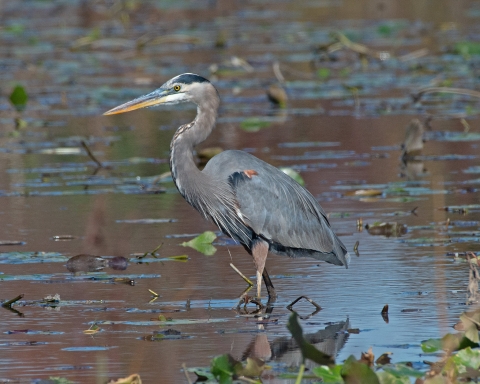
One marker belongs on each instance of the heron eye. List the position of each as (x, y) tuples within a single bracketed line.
[(176, 88)]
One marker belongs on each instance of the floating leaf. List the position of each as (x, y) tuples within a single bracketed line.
[(431, 345), (402, 370), (355, 372), (387, 229), (222, 368), (329, 374), (94, 328), (19, 98), (323, 73), (293, 174), (203, 243), (203, 374), (254, 124)]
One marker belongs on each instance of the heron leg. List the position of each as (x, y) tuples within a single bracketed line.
[(259, 253), (272, 294)]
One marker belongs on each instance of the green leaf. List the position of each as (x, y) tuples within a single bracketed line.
[(203, 374), (354, 372), (254, 124), (293, 174), (19, 98), (222, 367), (15, 28), (468, 357), (323, 73), (329, 374), (307, 349), (431, 345), (471, 331), (401, 370), (388, 378), (203, 243)]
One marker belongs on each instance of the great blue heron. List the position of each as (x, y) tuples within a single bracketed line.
[(251, 201)]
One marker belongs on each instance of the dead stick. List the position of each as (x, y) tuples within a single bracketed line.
[(91, 155), (248, 281), (457, 91), (290, 306), (10, 302)]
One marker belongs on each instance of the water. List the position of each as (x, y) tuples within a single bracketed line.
[(45, 194)]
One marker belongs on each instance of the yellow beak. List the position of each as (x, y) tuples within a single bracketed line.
[(155, 98)]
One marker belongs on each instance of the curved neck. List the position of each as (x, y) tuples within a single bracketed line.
[(185, 173)]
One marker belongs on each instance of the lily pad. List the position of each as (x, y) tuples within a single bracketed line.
[(19, 98), (203, 243)]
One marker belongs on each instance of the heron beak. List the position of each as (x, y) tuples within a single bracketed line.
[(160, 96)]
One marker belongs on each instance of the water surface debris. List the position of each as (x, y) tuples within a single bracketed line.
[(457, 91), (64, 237), (86, 263), (9, 303), (290, 306), (393, 229), (152, 253), (94, 328), (12, 242), (91, 155), (355, 248), (384, 313)]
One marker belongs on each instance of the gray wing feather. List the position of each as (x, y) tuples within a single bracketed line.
[(278, 208)]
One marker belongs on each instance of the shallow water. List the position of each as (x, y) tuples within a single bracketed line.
[(49, 186)]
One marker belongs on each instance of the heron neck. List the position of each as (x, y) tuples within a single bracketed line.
[(185, 172)]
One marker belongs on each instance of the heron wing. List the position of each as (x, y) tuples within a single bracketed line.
[(276, 207)]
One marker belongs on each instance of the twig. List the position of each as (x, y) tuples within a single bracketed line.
[(457, 91), (290, 306), (184, 366), (414, 55), (359, 48), (247, 280), (90, 154), (8, 304), (152, 253)]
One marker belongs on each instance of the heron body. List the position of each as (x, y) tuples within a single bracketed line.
[(248, 199)]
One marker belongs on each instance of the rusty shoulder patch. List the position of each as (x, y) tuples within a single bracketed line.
[(250, 173)]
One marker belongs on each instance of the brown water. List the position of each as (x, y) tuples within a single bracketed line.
[(346, 146)]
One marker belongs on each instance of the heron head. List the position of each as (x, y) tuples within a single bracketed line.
[(182, 88)]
